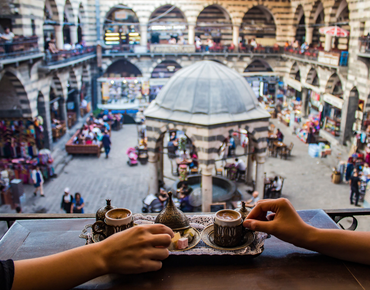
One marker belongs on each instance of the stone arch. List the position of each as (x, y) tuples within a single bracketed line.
[(258, 65), (295, 72), (334, 85), (313, 77), (69, 13), (51, 11), (300, 23), (165, 69), (317, 19), (170, 16), (129, 69), (14, 100), (256, 17), (221, 16), (82, 21)]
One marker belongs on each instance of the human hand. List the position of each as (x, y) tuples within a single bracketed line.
[(136, 250), (284, 223)]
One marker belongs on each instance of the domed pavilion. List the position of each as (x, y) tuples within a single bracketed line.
[(207, 101)]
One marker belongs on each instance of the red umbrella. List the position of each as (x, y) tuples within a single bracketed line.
[(334, 31)]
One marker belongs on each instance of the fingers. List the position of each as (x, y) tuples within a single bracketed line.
[(263, 206), (261, 226), (158, 254), (160, 229), (152, 265), (161, 240)]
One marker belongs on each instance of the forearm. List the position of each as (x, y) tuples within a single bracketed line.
[(60, 271), (341, 244)]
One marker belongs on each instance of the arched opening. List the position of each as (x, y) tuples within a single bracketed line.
[(313, 100), (332, 110), (14, 101), (259, 24), (57, 109), (122, 68), (300, 34), (72, 99), (165, 69), (258, 65), (68, 19), (81, 21), (342, 20), (121, 27), (168, 25), (51, 18), (319, 21), (295, 72), (214, 26)]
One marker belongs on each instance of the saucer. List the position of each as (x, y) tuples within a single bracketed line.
[(208, 238), (195, 241)]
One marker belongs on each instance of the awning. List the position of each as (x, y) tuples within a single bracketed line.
[(334, 31), (333, 100), (311, 87), (293, 83)]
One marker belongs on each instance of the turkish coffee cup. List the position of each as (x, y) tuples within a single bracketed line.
[(116, 220), (228, 228)]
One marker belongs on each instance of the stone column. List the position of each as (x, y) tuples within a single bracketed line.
[(250, 166), (191, 33), (44, 111), (304, 102), (260, 170), (73, 33), (328, 39), (59, 36), (160, 162), (63, 112), (309, 35), (153, 172), (143, 34), (236, 36), (206, 187)]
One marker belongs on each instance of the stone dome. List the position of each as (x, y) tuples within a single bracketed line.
[(206, 93)]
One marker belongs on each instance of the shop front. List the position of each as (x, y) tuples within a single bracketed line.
[(331, 114)]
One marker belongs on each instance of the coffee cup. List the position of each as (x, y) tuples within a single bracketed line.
[(228, 228), (116, 220)]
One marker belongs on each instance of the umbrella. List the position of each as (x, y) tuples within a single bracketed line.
[(334, 31), (130, 150), (45, 151)]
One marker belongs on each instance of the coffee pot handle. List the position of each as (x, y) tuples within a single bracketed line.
[(99, 228)]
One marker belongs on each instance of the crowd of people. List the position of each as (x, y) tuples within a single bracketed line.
[(50, 45)]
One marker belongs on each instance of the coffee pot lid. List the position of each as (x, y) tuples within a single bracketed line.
[(172, 217)]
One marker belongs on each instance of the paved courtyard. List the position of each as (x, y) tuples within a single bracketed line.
[(307, 180)]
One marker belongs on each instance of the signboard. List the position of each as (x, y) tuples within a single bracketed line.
[(293, 83), (333, 100), (158, 82), (329, 58), (120, 15)]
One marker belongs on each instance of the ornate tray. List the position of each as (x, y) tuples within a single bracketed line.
[(199, 223)]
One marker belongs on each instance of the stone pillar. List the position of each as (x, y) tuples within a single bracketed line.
[(250, 166), (206, 188), (160, 162), (74, 36), (309, 34), (153, 172), (236, 36), (328, 39), (304, 102), (43, 107), (59, 36), (260, 170), (143, 34), (63, 112), (191, 33)]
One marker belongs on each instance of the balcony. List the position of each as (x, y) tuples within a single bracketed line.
[(364, 47), (318, 57), (67, 58), (20, 49)]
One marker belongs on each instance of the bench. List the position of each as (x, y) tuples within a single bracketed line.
[(81, 148)]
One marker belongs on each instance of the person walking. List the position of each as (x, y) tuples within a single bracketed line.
[(78, 204), (67, 201), (37, 180), (106, 143), (355, 183)]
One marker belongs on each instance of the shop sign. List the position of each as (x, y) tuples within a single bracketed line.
[(158, 82), (333, 100), (359, 115), (293, 83), (328, 58)]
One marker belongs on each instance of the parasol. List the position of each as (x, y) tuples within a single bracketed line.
[(45, 151), (334, 31)]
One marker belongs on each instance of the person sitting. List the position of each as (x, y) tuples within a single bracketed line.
[(8, 37), (50, 45), (88, 141), (240, 166), (158, 204), (253, 201), (184, 195), (276, 186), (279, 135)]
